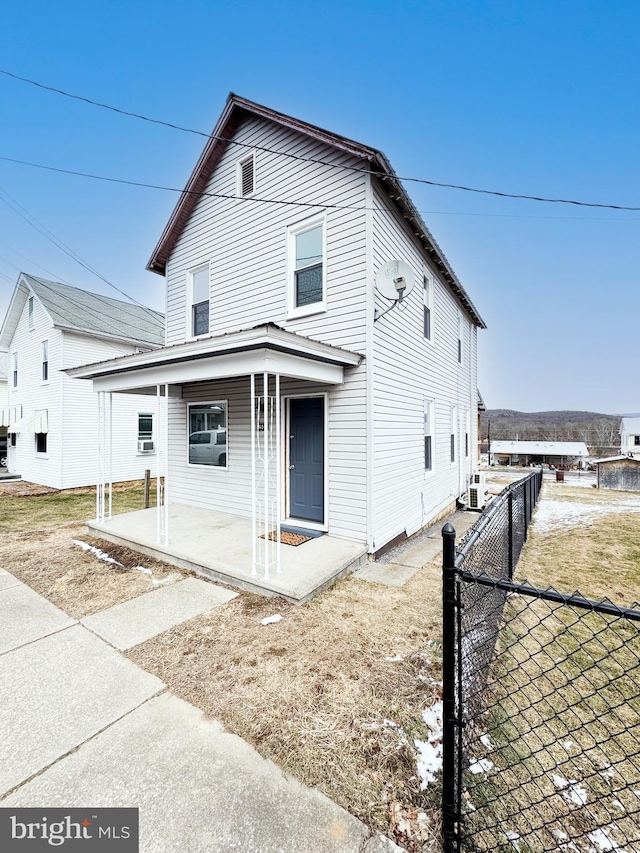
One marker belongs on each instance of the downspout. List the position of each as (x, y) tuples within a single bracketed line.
[(369, 363)]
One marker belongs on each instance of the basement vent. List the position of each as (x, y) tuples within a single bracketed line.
[(247, 176)]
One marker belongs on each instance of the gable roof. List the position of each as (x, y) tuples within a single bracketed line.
[(630, 425), (235, 111), (82, 311)]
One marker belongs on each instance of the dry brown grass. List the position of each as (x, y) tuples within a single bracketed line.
[(312, 692), (75, 580)]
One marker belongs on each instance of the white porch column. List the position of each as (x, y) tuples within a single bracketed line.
[(100, 459), (110, 457), (266, 477), (162, 464)]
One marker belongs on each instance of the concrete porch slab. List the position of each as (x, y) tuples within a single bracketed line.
[(132, 622), (25, 616), (59, 691), (219, 545), (198, 788)]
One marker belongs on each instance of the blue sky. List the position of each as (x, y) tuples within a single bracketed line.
[(527, 97)]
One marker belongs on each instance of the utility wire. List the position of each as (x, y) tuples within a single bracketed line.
[(35, 223), (287, 201), (430, 183)]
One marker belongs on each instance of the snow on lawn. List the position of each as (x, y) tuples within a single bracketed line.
[(102, 555), (430, 750), (571, 790), (552, 515)]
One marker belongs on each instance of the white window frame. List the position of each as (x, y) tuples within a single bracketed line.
[(44, 351), (453, 445), (31, 310), (190, 303), (146, 415), (427, 304), (199, 466), (239, 165), (429, 412), (460, 353), (467, 434), (41, 454), (14, 371), (292, 232)]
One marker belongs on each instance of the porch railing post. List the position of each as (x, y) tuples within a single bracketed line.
[(450, 720)]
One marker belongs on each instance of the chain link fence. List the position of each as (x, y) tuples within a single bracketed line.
[(541, 702)]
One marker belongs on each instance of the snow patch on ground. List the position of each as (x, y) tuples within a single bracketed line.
[(481, 765), (602, 840), (102, 555), (571, 790), (430, 750), (485, 740), (552, 515), (271, 620), (394, 659)]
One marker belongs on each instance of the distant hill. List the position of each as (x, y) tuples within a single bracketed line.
[(601, 433)]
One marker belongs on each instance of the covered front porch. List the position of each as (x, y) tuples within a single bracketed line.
[(219, 546)]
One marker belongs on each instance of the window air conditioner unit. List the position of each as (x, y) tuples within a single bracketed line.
[(145, 446), (478, 478), (476, 497)]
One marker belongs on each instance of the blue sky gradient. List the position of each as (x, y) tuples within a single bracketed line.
[(531, 97)]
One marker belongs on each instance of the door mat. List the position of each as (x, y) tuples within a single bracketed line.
[(294, 535)]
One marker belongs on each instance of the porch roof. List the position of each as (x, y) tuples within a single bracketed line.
[(266, 348)]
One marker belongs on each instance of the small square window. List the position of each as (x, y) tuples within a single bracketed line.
[(41, 442)]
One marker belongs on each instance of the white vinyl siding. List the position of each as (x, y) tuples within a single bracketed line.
[(248, 286), (407, 369)]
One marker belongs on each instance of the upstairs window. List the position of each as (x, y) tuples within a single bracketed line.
[(426, 308), (199, 301), (41, 442), (246, 176), (15, 370), (30, 309), (45, 361), (307, 277), (459, 339)]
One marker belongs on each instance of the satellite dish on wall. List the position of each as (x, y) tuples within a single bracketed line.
[(395, 280)]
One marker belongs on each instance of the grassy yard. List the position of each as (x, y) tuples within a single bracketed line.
[(555, 756), (334, 692)]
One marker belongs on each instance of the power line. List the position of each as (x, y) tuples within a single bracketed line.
[(290, 202), (442, 185), (30, 219)]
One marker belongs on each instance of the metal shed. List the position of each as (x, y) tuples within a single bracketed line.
[(618, 472)]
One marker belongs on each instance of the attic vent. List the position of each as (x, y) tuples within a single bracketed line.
[(247, 176)]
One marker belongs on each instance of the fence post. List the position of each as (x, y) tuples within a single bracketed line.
[(510, 511), (526, 511), (450, 792)]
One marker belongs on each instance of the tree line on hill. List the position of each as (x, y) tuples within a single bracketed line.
[(601, 433)]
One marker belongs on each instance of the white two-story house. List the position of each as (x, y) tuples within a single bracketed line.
[(296, 394), (630, 437), (51, 419)]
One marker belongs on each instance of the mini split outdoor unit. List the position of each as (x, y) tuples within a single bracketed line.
[(476, 496), (478, 478)]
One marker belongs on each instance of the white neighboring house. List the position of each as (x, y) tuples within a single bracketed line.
[(371, 427), (538, 453), (52, 419), (630, 437)]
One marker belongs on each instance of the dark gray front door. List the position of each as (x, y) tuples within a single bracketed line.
[(306, 458)]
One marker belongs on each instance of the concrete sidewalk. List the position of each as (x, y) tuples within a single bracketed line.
[(83, 726)]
